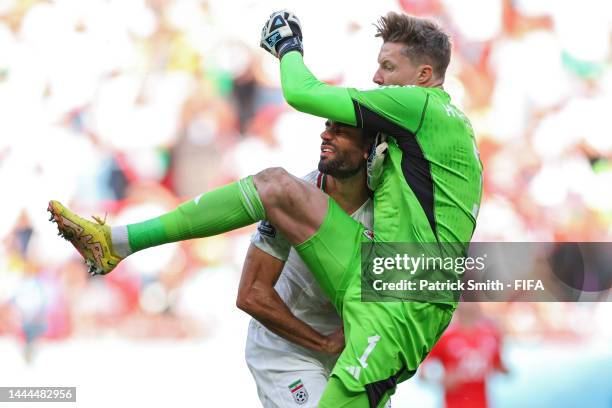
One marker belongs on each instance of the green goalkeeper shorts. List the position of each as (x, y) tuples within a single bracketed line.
[(385, 341)]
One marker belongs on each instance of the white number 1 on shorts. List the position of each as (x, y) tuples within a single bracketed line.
[(371, 344)]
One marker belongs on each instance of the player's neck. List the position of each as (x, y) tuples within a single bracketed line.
[(432, 83), (350, 193)]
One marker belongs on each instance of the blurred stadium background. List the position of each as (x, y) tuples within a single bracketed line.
[(127, 108)]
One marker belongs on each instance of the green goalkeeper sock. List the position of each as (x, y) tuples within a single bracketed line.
[(224, 209)]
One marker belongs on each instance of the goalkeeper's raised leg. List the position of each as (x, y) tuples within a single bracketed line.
[(296, 208)]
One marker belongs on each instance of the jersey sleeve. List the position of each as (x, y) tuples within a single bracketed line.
[(271, 241), (390, 110), (306, 93)]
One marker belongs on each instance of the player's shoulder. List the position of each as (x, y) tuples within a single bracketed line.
[(392, 96), (393, 89)]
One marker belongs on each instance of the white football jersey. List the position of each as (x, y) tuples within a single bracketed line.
[(296, 284), (277, 364)]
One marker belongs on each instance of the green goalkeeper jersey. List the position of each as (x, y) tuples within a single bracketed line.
[(432, 180)]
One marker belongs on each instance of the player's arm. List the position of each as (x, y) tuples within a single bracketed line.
[(391, 110), (388, 110), (258, 298), (306, 93)]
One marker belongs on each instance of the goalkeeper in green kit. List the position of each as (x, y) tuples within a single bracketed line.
[(425, 174)]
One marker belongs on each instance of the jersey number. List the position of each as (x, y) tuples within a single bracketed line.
[(371, 344), (356, 370)]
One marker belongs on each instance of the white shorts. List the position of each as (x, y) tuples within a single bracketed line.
[(287, 375)]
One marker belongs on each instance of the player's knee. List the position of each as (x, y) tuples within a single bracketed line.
[(272, 174), (274, 184)]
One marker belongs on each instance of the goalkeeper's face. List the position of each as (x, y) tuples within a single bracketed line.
[(396, 68), (344, 150)]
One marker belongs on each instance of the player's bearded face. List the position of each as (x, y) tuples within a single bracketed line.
[(342, 151)]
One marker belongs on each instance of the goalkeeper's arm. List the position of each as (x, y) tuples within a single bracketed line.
[(307, 94), (281, 36), (389, 110)]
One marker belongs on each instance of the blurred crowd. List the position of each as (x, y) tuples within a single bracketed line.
[(127, 108)]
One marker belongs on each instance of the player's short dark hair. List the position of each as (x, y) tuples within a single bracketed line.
[(425, 41)]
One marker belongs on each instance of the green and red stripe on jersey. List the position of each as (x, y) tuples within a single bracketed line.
[(294, 387), (321, 181)]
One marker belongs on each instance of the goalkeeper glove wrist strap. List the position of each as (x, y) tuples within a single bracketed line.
[(289, 44)]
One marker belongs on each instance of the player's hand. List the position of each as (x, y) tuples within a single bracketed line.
[(282, 33), (335, 342)]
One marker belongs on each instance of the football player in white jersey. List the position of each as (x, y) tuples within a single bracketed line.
[(295, 335)]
